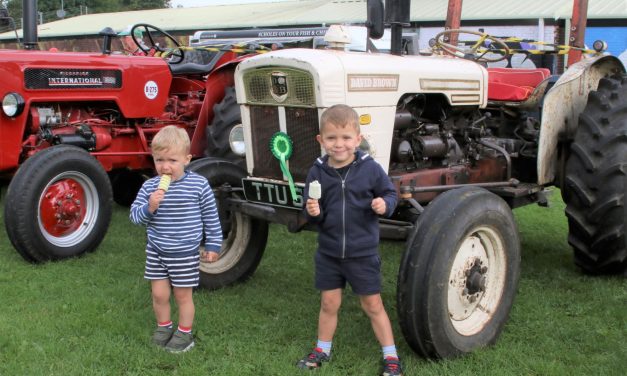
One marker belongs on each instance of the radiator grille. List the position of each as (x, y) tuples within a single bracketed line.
[(302, 127), (265, 123), (298, 86)]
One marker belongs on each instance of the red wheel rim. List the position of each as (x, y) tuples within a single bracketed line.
[(62, 207)]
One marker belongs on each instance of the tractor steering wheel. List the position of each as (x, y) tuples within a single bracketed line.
[(173, 55), (477, 51)]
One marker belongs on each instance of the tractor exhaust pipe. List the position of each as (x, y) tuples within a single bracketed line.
[(397, 15), (29, 25)]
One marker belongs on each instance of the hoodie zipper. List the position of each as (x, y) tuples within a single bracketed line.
[(343, 210)]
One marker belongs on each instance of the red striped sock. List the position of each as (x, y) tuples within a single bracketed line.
[(165, 323), (185, 329)]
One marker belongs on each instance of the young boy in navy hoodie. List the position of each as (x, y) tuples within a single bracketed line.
[(355, 191)]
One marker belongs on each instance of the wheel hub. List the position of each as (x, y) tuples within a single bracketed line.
[(476, 281), (62, 207), (475, 278)]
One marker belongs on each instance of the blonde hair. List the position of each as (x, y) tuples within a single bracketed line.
[(341, 116), (171, 138)]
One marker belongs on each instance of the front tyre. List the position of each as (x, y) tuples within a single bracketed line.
[(244, 237), (596, 180), (58, 204), (459, 274)]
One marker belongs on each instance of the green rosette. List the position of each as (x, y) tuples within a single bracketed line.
[(281, 147)]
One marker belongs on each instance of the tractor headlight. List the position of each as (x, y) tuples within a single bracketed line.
[(236, 140), (12, 104)]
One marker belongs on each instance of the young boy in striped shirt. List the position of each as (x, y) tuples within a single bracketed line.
[(177, 215)]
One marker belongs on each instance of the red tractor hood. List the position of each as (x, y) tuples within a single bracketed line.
[(138, 84)]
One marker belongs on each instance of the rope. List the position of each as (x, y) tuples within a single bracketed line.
[(558, 49)]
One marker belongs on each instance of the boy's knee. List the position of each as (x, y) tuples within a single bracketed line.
[(160, 297), (183, 294), (330, 304), (372, 305)]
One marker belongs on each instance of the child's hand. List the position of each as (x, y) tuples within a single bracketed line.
[(155, 200), (209, 256), (313, 208), (378, 205)]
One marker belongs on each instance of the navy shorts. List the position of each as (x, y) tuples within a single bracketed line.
[(362, 273), (181, 271)]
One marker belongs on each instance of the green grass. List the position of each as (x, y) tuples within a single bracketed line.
[(92, 315)]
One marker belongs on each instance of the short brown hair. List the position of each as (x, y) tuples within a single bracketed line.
[(341, 116), (171, 137)]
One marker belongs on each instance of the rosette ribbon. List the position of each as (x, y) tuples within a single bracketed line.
[(281, 147)]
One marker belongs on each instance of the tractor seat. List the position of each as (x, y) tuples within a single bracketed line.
[(193, 69), (511, 84)]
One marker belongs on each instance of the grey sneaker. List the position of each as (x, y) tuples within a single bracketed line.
[(162, 335), (180, 342), (313, 360)]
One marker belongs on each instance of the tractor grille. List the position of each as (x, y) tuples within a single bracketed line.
[(297, 84), (302, 127)]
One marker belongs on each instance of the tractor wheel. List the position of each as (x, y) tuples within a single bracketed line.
[(596, 180), (226, 115), (459, 274), (58, 204), (244, 237), (126, 183)]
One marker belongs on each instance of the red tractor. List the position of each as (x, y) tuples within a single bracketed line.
[(76, 130)]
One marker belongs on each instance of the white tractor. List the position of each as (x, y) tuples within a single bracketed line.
[(463, 144)]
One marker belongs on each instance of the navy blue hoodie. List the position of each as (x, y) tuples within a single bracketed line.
[(347, 225)]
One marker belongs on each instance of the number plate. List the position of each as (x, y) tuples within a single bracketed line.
[(273, 193)]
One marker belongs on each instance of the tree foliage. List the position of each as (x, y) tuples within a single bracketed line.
[(50, 8)]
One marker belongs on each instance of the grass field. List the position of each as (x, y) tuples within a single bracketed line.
[(92, 315)]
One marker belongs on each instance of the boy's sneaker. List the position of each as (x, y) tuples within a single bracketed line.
[(392, 367), (180, 342), (162, 335), (313, 360)]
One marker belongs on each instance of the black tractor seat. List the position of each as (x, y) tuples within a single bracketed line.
[(195, 69)]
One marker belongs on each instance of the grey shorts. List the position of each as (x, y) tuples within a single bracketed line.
[(362, 273), (181, 271)]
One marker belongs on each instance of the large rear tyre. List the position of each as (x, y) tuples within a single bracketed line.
[(244, 237), (596, 180), (126, 183), (226, 116), (459, 274), (58, 204)]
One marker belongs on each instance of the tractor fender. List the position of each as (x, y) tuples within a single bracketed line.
[(217, 81), (562, 106)]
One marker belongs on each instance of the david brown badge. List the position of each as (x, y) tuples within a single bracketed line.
[(279, 86)]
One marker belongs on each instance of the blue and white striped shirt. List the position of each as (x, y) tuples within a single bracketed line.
[(187, 211)]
